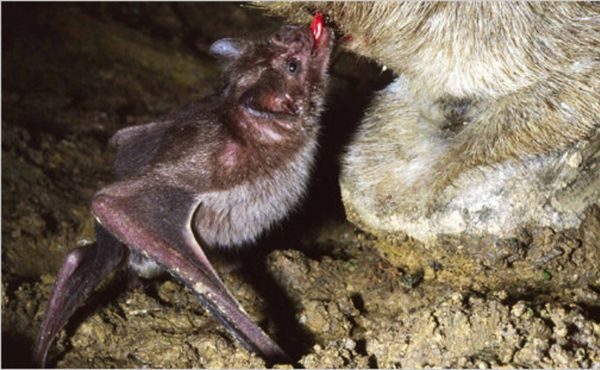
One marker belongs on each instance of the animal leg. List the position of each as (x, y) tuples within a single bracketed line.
[(555, 113), (83, 269)]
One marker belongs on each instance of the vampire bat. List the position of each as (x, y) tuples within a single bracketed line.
[(217, 173)]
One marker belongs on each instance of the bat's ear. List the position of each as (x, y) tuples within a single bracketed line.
[(228, 48)]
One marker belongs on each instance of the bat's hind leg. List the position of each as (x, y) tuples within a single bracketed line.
[(83, 269)]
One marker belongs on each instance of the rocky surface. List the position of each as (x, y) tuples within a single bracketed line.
[(332, 295)]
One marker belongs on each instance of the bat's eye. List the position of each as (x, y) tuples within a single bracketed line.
[(292, 66)]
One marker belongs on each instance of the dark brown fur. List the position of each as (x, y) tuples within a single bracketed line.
[(217, 173)]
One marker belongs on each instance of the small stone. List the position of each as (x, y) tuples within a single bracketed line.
[(561, 331), (349, 344), (518, 309), (483, 365), (575, 160), (501, 295), (456, 297)]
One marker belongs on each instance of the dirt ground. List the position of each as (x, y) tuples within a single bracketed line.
[(332, 295)]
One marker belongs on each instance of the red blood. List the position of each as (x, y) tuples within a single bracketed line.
[(316, 28)]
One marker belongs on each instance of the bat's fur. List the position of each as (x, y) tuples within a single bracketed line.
[(480, 84), (218, 172), (246, 172)]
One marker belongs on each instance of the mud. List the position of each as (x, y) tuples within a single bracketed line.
[(332, 295)]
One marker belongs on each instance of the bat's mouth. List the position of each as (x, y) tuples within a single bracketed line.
[(269, 114)]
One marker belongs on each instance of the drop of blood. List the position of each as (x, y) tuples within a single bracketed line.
[(316, 28)]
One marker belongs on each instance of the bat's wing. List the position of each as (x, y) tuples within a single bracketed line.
[(156, 221), (83, 269), (137, 146)]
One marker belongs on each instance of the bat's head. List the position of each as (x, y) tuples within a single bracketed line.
[(283, 77)]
